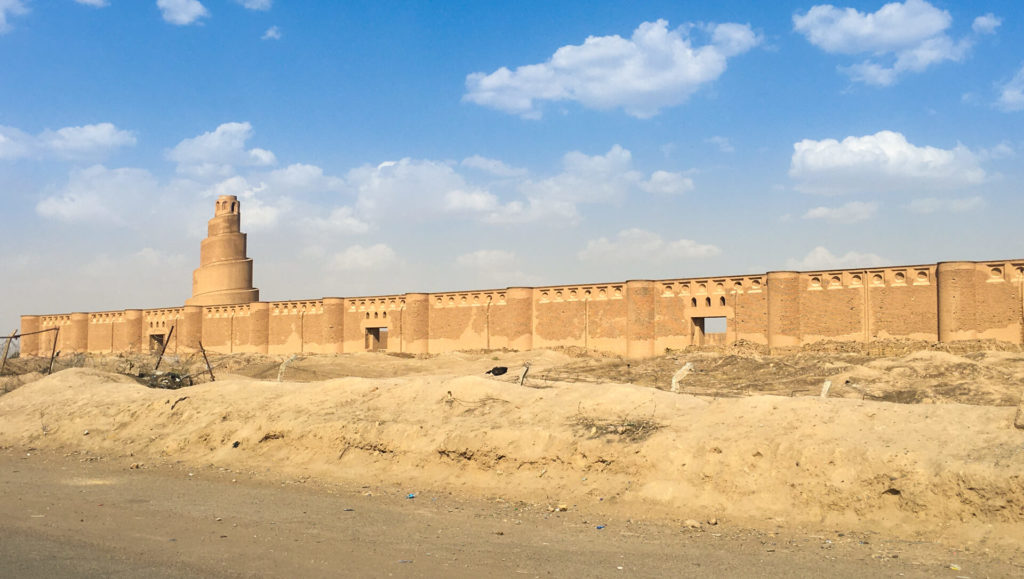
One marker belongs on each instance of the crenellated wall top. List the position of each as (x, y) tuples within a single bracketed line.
[(999, 271)]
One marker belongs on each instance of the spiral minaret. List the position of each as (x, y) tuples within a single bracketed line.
[(224, 275)]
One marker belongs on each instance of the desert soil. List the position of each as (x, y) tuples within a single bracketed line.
[(746, 470)]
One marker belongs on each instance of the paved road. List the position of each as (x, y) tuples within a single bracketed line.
[(65, 516)]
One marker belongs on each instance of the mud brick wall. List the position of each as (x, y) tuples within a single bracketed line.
[(946, 302)]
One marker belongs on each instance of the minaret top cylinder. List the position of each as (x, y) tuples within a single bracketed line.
[(227, 205)]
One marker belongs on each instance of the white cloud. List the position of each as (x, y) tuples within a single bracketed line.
[(899, 38), (1011, 94), (487, 259), (409, 187), (584, 179), (534, 209), (300, 178), (359, 258), (14, 143), (986, 24), (603, 178), (340, 220), (936, 205), (100, 195), (1003, 150), (94, 3), (256, 4), (641, 245), (272, 33), (182, 12), (822, 258), (884, 161), (417, 189), (849, 213), (666, 183), (492, 166), (722, 143), (261, 212), (87, 140), (10, 8), (470, 201), (654, 69), (215, 153)]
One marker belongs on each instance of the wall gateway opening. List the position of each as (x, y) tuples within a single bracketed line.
[(156, 342), (709, 330), (376, 339)]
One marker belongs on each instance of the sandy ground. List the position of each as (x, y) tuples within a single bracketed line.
[(83, 516), (916, 443)]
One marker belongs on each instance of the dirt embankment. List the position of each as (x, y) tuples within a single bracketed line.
[(928, 470)]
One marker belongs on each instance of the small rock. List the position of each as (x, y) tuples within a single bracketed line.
[(86, 433), (691, 524), (712, 521)]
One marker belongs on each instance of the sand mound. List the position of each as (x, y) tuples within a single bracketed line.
[(912, 469)]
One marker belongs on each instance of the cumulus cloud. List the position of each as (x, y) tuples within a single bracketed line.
[(341, 220), (262, 211), (420, 188), (182, 12), (100, 195), (822, 258), (479, 200), (256, 4), (87, 141), (216, 153), (14, 143), (601, 178), (410, 187), (534, 209), (936, 205), (884, 161), (667, 183), (848, 213), (492, 166), (10, 8), (986, 24), (899, 38), (584, 179), (654, 69), (301, 178), (641, 245), (272, 33), (94, 3), (359, 258), (1011, 93)]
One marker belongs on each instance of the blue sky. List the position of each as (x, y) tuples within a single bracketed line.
[(384, 147)]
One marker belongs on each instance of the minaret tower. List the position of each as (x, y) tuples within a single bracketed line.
[(225, 273)]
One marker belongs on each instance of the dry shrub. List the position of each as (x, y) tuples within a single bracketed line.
[(623, 428)]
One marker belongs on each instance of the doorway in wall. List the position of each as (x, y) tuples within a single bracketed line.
[(709, 330), (156, 342), (376, 339)]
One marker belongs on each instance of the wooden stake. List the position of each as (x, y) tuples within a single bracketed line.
[(163, 349), (7, 346), (53, 353), (207, 360)]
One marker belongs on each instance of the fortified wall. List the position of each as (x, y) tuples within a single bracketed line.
[(942, 302)]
